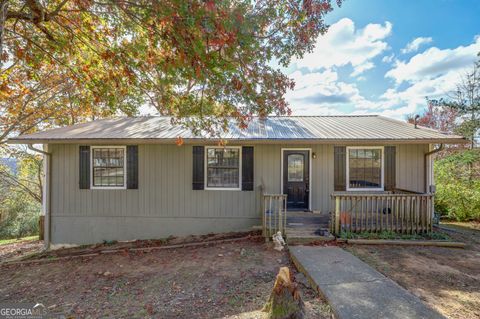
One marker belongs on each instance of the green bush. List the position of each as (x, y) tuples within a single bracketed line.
[(21, 217), (20, 199), (458, 185), (388, 234)]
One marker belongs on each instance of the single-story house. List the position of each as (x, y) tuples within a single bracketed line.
[(126, 178)]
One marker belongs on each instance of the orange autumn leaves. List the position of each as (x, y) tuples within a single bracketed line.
[(201, 62)]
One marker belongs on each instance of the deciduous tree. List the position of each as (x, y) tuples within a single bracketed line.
[(210, 59), (467, 102), (457, 171), (460, 112), (437, 116)]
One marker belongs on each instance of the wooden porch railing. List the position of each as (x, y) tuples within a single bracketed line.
[(274, 214), (402, 212)]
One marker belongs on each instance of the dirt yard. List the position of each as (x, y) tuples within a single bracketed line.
[(447, 279), (19, 248), (231, 280)]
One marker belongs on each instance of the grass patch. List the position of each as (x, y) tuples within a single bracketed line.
[(393, 235), (17, 240), (471, 225), (110, 242)]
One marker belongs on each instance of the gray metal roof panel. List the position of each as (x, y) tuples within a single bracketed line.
[(352, 127)]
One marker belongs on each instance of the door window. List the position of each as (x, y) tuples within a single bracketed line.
[(295, 167)]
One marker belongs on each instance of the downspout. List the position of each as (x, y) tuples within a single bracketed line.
[(439, 149), (46, 196)]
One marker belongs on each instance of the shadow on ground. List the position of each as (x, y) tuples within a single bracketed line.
[(448, 279)]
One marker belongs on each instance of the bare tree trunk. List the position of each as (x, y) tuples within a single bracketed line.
[(285, 301)]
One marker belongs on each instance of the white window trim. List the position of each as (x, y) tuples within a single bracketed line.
[(124, 167), (239, 188), (382, 188)]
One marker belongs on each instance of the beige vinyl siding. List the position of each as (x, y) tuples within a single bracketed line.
[(164, 189), (410, 167), (165, 204)]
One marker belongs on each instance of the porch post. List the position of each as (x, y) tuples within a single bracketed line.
[(337, 215)]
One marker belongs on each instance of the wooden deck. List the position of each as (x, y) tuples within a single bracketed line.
[(401, 211)]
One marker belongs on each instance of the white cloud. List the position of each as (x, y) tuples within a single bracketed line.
[(344, 45), (412, 98), (388, 58), (434, 62), (323, 93), (362, 68), (415, 44), (433, 73), (319, 89)]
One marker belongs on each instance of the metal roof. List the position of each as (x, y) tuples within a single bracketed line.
[(367, 128)]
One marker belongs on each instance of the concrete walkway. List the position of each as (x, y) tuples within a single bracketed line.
[(355, 290)]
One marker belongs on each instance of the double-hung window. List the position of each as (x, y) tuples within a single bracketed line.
[(108, 167), (365, 168), (223, 168)]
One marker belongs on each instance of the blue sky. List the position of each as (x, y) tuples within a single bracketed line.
[(385, 57)]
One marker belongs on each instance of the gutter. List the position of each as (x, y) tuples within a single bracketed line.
[(46, 193), (439, 149)]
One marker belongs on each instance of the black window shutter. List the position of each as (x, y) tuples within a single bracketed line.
[(84, 156), (389, 170), (247, 168), (340, 168), (132, 166), (198, 168)]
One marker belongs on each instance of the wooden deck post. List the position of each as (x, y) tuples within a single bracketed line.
[(274, 214), (337, 215)]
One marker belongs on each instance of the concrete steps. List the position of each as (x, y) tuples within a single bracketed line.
[(308, 234), (307, 240), (305, 228)]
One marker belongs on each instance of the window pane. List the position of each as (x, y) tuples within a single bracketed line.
[(223, 177), (219, 157), (365, 168), (223, 167), (108, 167), (97, 176), (295, 167)]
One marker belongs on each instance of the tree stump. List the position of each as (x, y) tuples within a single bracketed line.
[(285, 301)]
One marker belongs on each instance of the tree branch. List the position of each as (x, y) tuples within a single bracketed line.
[(13, 181)]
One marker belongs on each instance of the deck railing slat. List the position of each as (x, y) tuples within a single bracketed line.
[(406, 212), (274, 214)]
